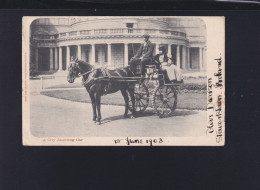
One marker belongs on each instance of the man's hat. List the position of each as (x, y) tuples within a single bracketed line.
[(146, 35)]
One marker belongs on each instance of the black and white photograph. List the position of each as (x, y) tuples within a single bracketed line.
[(123, 81)]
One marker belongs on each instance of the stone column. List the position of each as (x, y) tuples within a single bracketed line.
[(126, 55), (93, 57), (204, 58), (51, 59), (188, 58), (68, 57), (36, 59), (109, 63), (60, 58), (79, 52), (170, 50), (56, 58), (200, 58), (184, 57), (178, 58)]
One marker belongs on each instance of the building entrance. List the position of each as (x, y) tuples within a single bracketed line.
[(194, 58), (44, 59)]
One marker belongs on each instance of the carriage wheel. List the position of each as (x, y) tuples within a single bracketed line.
[(165, 100), (141, 98)]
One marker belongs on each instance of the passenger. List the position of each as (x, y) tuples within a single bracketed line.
[(173, 72)]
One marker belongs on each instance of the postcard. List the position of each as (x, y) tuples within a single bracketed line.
[(123, 81)]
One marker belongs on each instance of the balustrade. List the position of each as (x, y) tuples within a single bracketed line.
[(163, 31), (126, 31), (117, 30), (43, 37), (85, 32), (100, 31), (74, 33), (150, 31), (63, 35)]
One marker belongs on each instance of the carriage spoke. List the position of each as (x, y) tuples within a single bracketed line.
[(170, 92), (141, 97), (171, 99), (163, 109), (160, 106), (170, 96), (168, 106), (142, 102), (164, 100), (159, 91), (138, 106), (165, 106)]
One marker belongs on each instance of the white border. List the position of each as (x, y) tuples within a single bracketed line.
[(215, 27)]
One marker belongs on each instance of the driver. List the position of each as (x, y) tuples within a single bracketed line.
[(143, 55)]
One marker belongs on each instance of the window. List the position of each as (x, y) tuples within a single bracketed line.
[(130, 25), (106, 53), (96, 55)]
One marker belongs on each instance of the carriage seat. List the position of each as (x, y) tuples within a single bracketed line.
[(138, 68)]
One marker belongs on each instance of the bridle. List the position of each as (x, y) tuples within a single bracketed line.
[(79, 74), (72, 69)]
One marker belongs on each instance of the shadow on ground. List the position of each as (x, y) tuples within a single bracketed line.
[(190, 101), (148, 113)]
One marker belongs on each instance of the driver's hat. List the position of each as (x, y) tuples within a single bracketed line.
[(146, 35)]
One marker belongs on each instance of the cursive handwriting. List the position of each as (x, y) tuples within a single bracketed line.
[(219, 132), (215, 107), (219, 74), (210, 125), (135, 141), (210, 100)]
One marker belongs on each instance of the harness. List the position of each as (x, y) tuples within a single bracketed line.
[(93, 77), (86, 72), (90, 79)]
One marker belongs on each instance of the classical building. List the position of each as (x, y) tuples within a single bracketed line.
[(112, 41)]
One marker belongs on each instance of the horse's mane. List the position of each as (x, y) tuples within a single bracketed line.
[(84, 65)]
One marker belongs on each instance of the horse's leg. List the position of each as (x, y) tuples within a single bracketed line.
[(132, 95), (98, 100), (93, 101), (125, 95)]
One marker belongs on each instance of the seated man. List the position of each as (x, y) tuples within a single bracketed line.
[(143, 55), (173, 72)]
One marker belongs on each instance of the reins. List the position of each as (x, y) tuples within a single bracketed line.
[(86, 72)]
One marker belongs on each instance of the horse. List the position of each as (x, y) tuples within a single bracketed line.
[(97, 87)]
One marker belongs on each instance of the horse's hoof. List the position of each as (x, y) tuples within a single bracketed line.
[(98, 122), (132, 117)]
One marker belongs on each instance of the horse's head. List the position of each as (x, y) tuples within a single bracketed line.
[(74, 71)]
